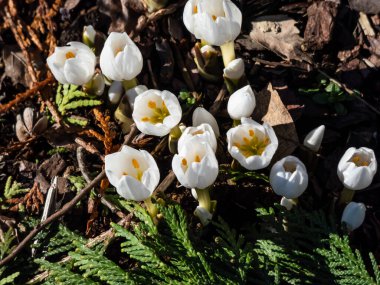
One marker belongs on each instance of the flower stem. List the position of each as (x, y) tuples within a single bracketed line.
[(204, 198), (129, 84), (346, 196), (228, 52), (151, 208), (236, 123), (174, 136)]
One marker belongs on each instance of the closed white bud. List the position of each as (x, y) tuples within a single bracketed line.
[(96, 85), (314, 138), (241, 103), (353, 215), (202, 116), (89, 34), (234, 69), (115, 92)]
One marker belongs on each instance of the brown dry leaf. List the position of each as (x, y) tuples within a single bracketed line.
[(279, 34), (270, 109), (320, 23)]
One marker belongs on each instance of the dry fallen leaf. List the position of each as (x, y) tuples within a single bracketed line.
[(270, 109), (279, 34)]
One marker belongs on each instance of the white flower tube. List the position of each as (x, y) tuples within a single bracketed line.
[(195, 166), (287, 203), (120, 58), (72, 64), (251, 144), (204, 132), (288, 177), (241, 103), (133, 172), (353, 215), (234, 69), (215, 21), (314, 138), (357, 167), (156, 112)]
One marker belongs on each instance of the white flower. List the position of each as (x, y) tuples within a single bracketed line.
[(156, 112), (251, 144), (234, 69), (357, 167), (353, 215), (201, 115), (215, 21), (287, 203), (133, 172), (115, 92), (288, 177), (203, 214), (72, 64), (195, 165), (314, 138), (204, 132), (89, 34), (241, 103), (120, 58)]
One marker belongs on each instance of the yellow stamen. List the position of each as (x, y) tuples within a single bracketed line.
[(145, 119), (358, 161), (246, 140), (252, 145), (184, 162), (152, 104), (70, 55), (118, 50), (195, 9), (135, 163), (199, 132), (197, 158), (251, 133), (125, 173), (213, 17)]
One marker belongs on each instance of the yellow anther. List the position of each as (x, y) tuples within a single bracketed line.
[(358, 161), (118, 50), (125, 173), (135, 163), (237, 145), (251, 133), (195, 9), (246, 140), (197, 158), (145, 119), (199, 132), (70, 54), (184, 162), (213, 17), (152, 105)]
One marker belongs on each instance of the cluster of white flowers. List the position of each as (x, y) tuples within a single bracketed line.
[(135, 173)]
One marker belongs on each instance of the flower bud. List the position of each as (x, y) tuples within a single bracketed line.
[(287, 203), (353, 215), (115, 92), (201, 116), (288, 177), (314, 138), (96, 85), (132, 93), (234, 70), (357, 167), (204, 132), (88, 35), (241, 103)]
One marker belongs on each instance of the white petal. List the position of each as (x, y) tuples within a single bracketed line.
[(201, 115), (115, 92), (314, 138), (132, 189), (234, 69), (133, 92), (76, 72), (241, 103), (353, 215), (204, 216)]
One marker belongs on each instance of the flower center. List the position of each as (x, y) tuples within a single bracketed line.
[(158, 113), (290, 167), (118, 50), (70, 54), (139, 173), (252, 145), (359, 161)]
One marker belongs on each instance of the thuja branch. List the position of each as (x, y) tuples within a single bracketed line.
[(67, 207)]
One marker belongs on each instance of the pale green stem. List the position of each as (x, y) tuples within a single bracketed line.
[(236, 123), (151, 208), (346, 196), (228, 52), (174, 136), (234, 164), (129, 84), (204, 198)]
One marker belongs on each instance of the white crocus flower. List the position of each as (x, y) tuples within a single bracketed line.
[(133, 172), (241, 103), (288, 177), (204, 132), (251, 144), (357, 167), (353, 215), (156, 112), (234, 69), (201, 116), (195, 166), (215, 21), (314, 138), (72, 64), (120, 58)]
